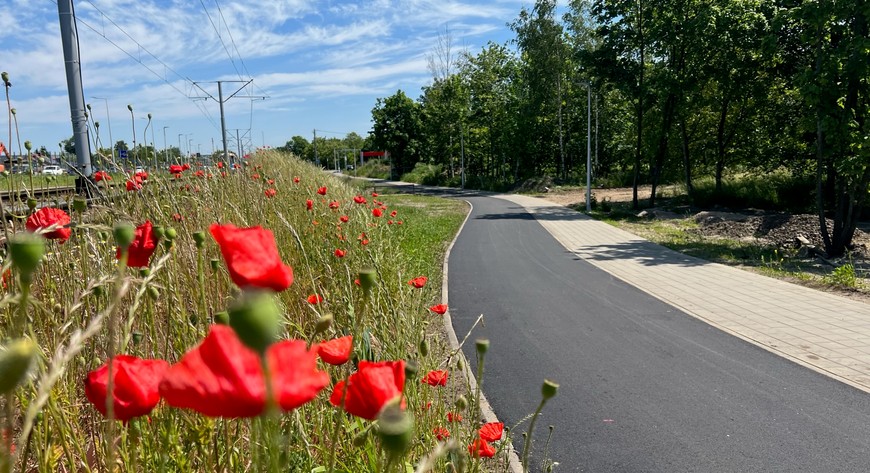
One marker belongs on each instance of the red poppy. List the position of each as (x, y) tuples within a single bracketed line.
[(102, 176), (144, 243), (309, 204), (47, 217), (439, 309), (364, 242), (377, 212), (141, 175), (481, 448), (369, 389), (270, 181), (418, 282), (133, 185), (175, 169), (374, 194), (339, 253), (436, 378), (220, 164), (334, 204), (399, 222), (177, 217), (252, 257), (237, 166), (199, 173), (336, 352), (315, 299), (451, 417), (185, 167), (223, 378), (255, 176), (393, 213), (389, 222), (359, 199), (355, 281), (223, 174), (270, 193), (296, 180), (441, 433), (135, 383), (322, 190), (491, 431), (344, 218)]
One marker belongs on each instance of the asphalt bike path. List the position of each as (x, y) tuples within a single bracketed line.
[(644, 387)]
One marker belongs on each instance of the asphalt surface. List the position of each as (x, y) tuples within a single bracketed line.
[(643, 386)]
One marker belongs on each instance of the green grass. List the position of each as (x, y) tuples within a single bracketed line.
[(82, 307)]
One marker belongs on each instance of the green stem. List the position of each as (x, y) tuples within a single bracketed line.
[(528, 443)]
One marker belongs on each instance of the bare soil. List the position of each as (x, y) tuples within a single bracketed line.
[(752, 227)]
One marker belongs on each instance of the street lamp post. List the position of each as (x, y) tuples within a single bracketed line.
[(179, 144), (109, 121), (145, 133), (588, 146)]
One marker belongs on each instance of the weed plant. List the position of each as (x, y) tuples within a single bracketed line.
[(359, 266)]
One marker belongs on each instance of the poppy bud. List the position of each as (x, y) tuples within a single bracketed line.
[(58, 309), (144, 272), (28, 145), (5, 76), (395, 428), (482, 346), (360, 439), (15, 361), (461, 402), (26, 250), (98, 290), (158, 231), (222, 318), (423, 348), (80, 204), (199, 239), (171, 233), (256, 320), (215, 264), (549, 389), (367, 279), (323, 323), (137, 337), (153, 292), (31, 203), (411, 368), (124, 234)]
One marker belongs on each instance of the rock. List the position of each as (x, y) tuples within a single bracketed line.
[(708, 217), (802, 241)]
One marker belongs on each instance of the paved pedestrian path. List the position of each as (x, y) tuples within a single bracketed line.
[(825, 332)]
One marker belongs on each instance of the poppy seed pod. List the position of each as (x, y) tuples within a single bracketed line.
[(171, 233), (215, 264), (367, 279), (549, 389), (482, 346), (124, 233), (158, 231), (199, 239), (395, 429), (256, 320), (15, 361), (5, 76), (137, 337), (461, 402), (28, 145), (31, 204), (26, 251), (80, 204)]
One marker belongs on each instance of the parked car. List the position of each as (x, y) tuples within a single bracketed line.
[(52, 169)]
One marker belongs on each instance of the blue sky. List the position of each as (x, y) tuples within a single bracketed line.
[(322, 64)]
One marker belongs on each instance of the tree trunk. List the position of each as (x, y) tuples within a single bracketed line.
[(720, 143), (662, 151), (687, 164), (638, 154)]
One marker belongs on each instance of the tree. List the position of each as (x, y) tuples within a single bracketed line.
[(300, 147), (397, 128)]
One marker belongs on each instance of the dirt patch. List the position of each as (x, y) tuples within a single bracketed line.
[(791, 235)]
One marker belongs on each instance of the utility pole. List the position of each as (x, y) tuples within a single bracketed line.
[(314, 144), (165, 150), (69, 36), (221, 100), (588, 146)]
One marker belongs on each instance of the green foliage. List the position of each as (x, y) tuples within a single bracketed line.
[(397, 128), (843, 276), (374, 168), (426, 174), (775, 191)]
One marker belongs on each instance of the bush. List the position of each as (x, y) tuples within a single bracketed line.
[(426, 174), (774, 191), (375, 168)]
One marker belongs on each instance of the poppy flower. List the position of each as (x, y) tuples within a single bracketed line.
[(491, 431), (355, 281), (140, 250), (481, 448), (393, 213), (441, 433), (185, 167), (177, 217), (175, 169), (102, 176), (322, 190), (255, 176), (223, 378), (141, 175), (336, 352), (377, 212), (199, 173), (270, 193), (309, 204), (47, 217), (399, 222), (220, 164), (359, 199), (223, 174), (374, 194), (451, 417), (315, 299), (436, 378), (369, 389), (296, 180), (439, 309), (334, 204), (339, 253), (389, 222), (270, 181), (344, 218), (237, 166), (135, 383), (418, 282), (252, 257), (364, 242), (132, 185)]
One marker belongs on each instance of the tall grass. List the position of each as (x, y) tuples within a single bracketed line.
[(83, 306)]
